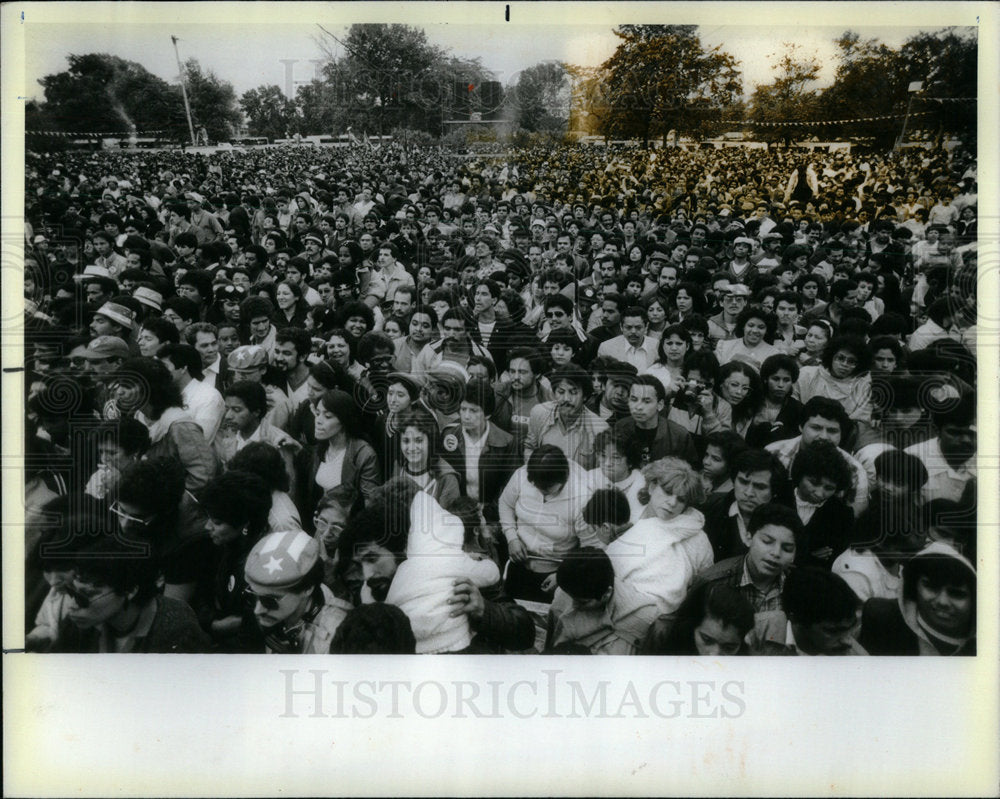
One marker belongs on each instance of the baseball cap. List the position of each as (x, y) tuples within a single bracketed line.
[(106, 347)]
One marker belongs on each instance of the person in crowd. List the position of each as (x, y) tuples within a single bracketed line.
[(843, 376), (950, 456), (153, 334), (294, 612), (483, 455), (813, 344), (618, 462), (659, 556), (120, 444), (203, 403), (819, 472), (892, 528), (752, 344), (374, 629), (423, 465), (739, 391), (712, 621), (236, 505), (246, 422), (818, 616), (777, 416), (422, 584), (668, 368), (523, 389), (758, 478), (341, 455), (721, 448), (934, 613), (825, 419), (114, 605), (565, 422), (655, 436), (268, 463), (539, 510), (146, 389)]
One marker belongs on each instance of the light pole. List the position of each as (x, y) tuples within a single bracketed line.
[(915, 88), (187, 108)]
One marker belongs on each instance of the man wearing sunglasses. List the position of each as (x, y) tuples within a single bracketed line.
[(296, 613)]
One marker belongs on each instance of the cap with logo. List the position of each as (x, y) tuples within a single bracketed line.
[(281, 560), (248, 356)]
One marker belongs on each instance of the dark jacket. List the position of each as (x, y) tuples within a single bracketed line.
[(723, 530), (361, 471), (671, 440), (786, 425), (830, 526), (497, 462), (174, 630)]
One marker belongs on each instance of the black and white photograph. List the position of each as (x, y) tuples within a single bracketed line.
[(513, 331)]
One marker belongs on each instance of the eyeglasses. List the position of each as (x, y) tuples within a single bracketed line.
[(267, 601), (82, 600), (116, 509)]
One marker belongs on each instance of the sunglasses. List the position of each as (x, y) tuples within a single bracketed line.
[(267, 601), (82, 600)]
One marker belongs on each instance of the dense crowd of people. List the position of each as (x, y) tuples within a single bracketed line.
[(580, 400)]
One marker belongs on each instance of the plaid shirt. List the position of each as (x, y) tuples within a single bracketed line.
[(761, 600)]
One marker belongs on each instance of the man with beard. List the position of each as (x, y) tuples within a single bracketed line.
[(373, 545)]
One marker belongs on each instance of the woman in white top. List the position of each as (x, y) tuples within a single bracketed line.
[(755, 329), (844, 376), (668, 368)]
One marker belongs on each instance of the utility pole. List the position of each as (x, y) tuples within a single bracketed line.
[(187, 108)]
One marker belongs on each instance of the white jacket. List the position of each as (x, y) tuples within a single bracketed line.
[(423, 582), (659, 559)]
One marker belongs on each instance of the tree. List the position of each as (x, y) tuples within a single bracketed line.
[(788, 97), (269, 113), (873, 80), (541, 98), (661, 77), (105, 94), (389, 76), (213, 102)]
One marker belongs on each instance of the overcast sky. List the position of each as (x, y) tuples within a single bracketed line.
[(249, 55)]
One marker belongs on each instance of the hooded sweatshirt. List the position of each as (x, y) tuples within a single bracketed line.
[(657, 560), (423, 582), (896, 627)]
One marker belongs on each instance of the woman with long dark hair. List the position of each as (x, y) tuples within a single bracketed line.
[(340, 455)]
